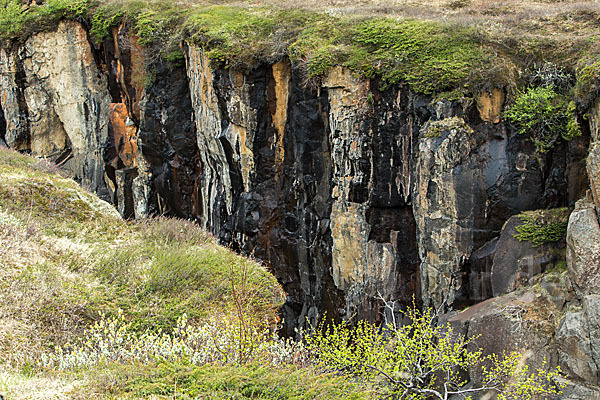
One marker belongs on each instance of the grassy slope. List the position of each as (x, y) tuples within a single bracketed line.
[(455, 45), (66, 258)]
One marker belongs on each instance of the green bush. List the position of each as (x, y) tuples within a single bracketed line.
[(545, 116), (540, 227), (180, 380), (424, 360)]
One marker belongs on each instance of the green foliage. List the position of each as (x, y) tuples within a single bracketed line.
[(545, 116), (423, 360), (587, 87), (11, 18), (180, 380), (540, 227), (415, 52), (243, 38), (104, 19), (429, 56), (17, 21)]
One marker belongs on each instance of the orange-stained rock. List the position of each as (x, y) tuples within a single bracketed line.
[(124, 134), (490, 105), (282, 74), (131, 70)]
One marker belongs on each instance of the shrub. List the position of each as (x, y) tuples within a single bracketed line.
[(423, 360), (540, 227), (180, 380), (545, 116)]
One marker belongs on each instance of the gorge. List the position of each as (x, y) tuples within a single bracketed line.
[(348, 188)]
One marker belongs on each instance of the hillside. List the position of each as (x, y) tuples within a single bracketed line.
[(68, 262)]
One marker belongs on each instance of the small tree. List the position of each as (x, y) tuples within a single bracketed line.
[(423, 360)]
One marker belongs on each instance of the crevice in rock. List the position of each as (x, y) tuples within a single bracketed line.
[(235, 174), (21, 82), (2, 128)]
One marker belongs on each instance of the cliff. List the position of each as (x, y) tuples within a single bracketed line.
[(350, 186)]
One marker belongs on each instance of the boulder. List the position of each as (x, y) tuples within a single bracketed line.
[(523, 322), (516, 261), (583, 248), (591, 310), (578, 391), (574, 348)]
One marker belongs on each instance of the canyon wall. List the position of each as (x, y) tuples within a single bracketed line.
[(348, 192)]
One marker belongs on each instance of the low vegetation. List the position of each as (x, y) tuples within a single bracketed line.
[(543, 226), (545, 116), (432, 49), (425, 360)]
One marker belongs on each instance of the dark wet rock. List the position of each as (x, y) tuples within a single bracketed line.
[(517, 262), (480, 267), (125, 198)]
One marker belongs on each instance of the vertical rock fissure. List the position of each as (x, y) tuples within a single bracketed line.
[(2, 128)]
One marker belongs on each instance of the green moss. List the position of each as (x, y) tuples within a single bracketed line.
[(17, 21), (545, 116), (430, 56), (182, 381), (587, 87), (436, 129), (543, 226)]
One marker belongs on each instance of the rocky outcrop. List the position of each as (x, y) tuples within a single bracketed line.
[(449, 193), (574, 347), (516, 262), (57, 103), (523, 321), (583, 248)]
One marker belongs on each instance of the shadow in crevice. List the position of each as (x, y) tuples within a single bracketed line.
[(2, 128)]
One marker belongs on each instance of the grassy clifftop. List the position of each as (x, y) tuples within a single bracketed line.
[(455, 45), (92, 306)]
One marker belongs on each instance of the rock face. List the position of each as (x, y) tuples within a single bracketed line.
[(349, 192), (574, 347), (583, 248), (523, 322), (516, 262), (57, 103)]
